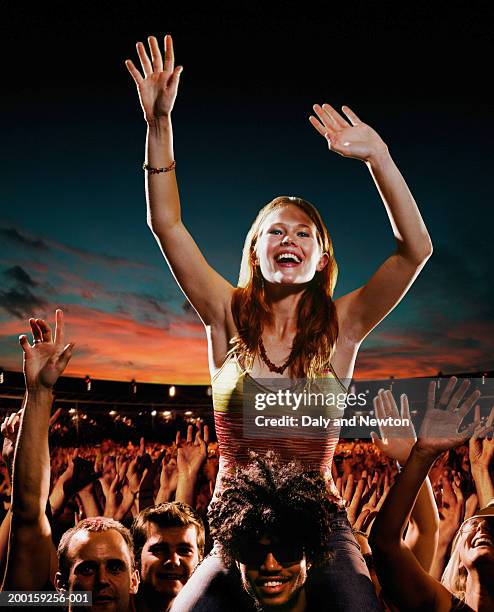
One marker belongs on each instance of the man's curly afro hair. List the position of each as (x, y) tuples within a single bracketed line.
[(277, 498)]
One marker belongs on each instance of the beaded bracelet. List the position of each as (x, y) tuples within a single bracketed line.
[(151, 170)]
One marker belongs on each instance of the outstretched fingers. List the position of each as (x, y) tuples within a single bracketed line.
[(169, 54), (155, 54), (405, 408), (134, 73), (490, 418), (458, 395), (446, 394), (467, 405), (147, 67), (59, 328), (202, 436), (354, 120), (45, 330), (318, 125), (36, 331), (390, 407), (65, 356), (24, 342), (334, 117), (329, 124), (143, 477)]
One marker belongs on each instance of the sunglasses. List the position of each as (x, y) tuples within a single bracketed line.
[(285, 553), (473, 524)]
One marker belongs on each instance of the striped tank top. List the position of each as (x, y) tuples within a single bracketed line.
[(245, 421)]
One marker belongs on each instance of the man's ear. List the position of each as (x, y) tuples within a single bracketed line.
[(134, 582), (60, 584), (323, 262)]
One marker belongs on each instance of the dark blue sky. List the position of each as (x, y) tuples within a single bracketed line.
[(73, 229)]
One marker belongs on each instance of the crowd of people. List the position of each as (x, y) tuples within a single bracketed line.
[(154, 498)]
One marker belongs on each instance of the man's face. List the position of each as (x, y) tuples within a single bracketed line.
[(168, 558), (101, 563), (274, 572)]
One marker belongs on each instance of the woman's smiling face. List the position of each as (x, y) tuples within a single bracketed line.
[(288, 249), (477, 541)]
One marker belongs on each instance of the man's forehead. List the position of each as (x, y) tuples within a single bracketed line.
[(171, 535), (98, 545)]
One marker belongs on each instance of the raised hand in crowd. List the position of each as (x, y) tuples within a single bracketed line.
[(9, 430), (168, 480), (77, 479), (114, 494), (352, 494), (136, 475), (481, 454), (191, 455), (48, 356), (451, 513), (396, 442), (364, 503), (57, 496), (439, 432), (440, 429), (31, 557), (471, 505)]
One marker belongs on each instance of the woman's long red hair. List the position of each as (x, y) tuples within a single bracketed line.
[(317, 324)]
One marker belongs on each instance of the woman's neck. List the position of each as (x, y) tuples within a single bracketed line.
[(283, 302)]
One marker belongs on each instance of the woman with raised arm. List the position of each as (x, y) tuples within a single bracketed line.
[(280, 321), (468, 582)]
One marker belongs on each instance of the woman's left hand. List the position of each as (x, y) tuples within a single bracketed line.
[(355, 139)]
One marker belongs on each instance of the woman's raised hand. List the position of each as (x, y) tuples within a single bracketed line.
[(158, 88), (352, 138)]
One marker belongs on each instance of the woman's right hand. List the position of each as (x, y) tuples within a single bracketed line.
[(158, 89)]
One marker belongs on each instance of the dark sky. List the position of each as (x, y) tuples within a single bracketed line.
[(73, 229)]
